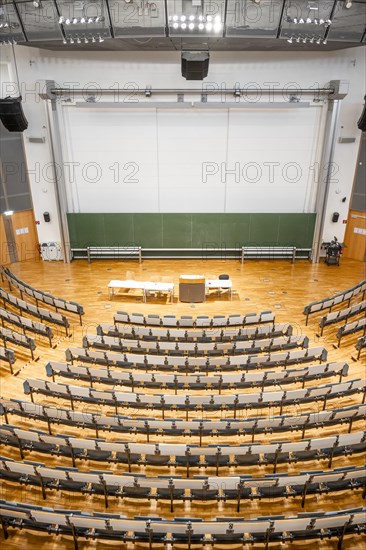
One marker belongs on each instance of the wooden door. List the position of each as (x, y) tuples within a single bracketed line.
[(18, 235), (355, 237)]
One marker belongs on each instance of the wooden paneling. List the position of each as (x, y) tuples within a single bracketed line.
[(354, 238), (4, 253)]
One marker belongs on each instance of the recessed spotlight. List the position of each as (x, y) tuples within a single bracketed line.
[(183, 18), (191, 26), (175, 17), (201, 26), (209, 18), (183, 26), (191, 17), (208, 27), (175, 25), (289, 40)]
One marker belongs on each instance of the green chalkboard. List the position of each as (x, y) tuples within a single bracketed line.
[(191, 230)]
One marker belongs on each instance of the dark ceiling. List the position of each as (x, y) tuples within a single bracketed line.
[(163, 25)]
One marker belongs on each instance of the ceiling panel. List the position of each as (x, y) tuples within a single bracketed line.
[(84, 21), (10, 28), (196, 18), (40, 23), (307, 20), (142, 18), (348, 24), (248, 18)]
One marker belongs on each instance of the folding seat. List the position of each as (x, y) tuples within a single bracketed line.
[(170, 492), (153, 319), (217, 459), (272, 491), (188, 460), (69, 484), (242, 490), (169, 321), (127, 457), (207, 492), (203, 321), (98, 454), (219, 321), (186, 321), (157, 459), (248, 458), (235, 320), (185, 536), (148, 535), (137, 319)]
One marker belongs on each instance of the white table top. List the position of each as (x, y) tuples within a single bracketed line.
[(143, 285), (219, 283)]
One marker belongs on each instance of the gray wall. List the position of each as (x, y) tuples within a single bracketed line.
[(359, 187), (14, 187)]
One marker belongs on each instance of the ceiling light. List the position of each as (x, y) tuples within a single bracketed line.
[(289, 40), (328, 21), (304, 40), (308, 20), (295, 20), (64, 41), (301, 21), (97, 19), (201, 26), (83, 20), (175, 25), (312, 40), (78, 40), (90, 20), (191, 17), (217, 18), (209, 18), (349, 4), (8, 212), (71, 40), (175, 17), (37, 4), (86, 40), (321, 22), (315, 21), (318, 41), (74, 21), (217, 27), (191, 26), (61, 19), (325, 41), (93, 40), (101, 39), (183, 26), (67, 21), (183, 18), (201, 18), (298, 39), (208, 27)]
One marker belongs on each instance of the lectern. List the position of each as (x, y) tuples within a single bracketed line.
[(192, 288)]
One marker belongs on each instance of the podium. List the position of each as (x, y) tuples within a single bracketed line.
[(192, 288)]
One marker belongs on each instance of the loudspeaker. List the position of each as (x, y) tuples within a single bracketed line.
[(11, 114), (195, 65), (46, 216), (335, 216), (362, 122)]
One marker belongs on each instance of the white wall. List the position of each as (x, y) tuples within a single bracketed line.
[(162, 70)]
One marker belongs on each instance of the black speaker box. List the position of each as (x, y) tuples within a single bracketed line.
[(11, 114), (362, 121), (195, 65)]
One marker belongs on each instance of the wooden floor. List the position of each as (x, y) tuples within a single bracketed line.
[(258, 285)]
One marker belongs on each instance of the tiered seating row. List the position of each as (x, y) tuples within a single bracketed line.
[(8, 356), (186, 456), (186, 402), (360, 345), (194, 348), (202, 321), (40, 312), (39, 295), (341, 315), (7, 335), (177, 488), (192, 382), (154, 529), (193, 364), (26, 324), (351, 328), (329, 303), (173, 427), (195, 335)]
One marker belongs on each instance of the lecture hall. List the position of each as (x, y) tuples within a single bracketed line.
[(182, 274)]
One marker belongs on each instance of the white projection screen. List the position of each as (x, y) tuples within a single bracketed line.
[(191, 160)]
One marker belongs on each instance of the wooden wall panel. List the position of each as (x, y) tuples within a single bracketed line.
[(355, 237)]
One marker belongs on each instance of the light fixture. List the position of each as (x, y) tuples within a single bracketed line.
[(86, 41), (318, 41), (348, 4), (74, 21), (325, 41), (37, 4), (175, 17), (298, 39), (301, 21), (61, 19), (183, 26), (101, 39), (93, 39), (209, 18), (217, 27), (8, 212), (90, 20), (78, 40), (191, 17), (201, 18), (71, 41), (315, 21), (289, 40), (64, 41), (321, 22), (308, 20), (208, 27), (183, 18), (175, 25), (295, 20), (201, 26), (67, 21), (191, 26), (217, 18), (83, 20)]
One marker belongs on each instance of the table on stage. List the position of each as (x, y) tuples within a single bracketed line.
[(225, 284), (145, 286)]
